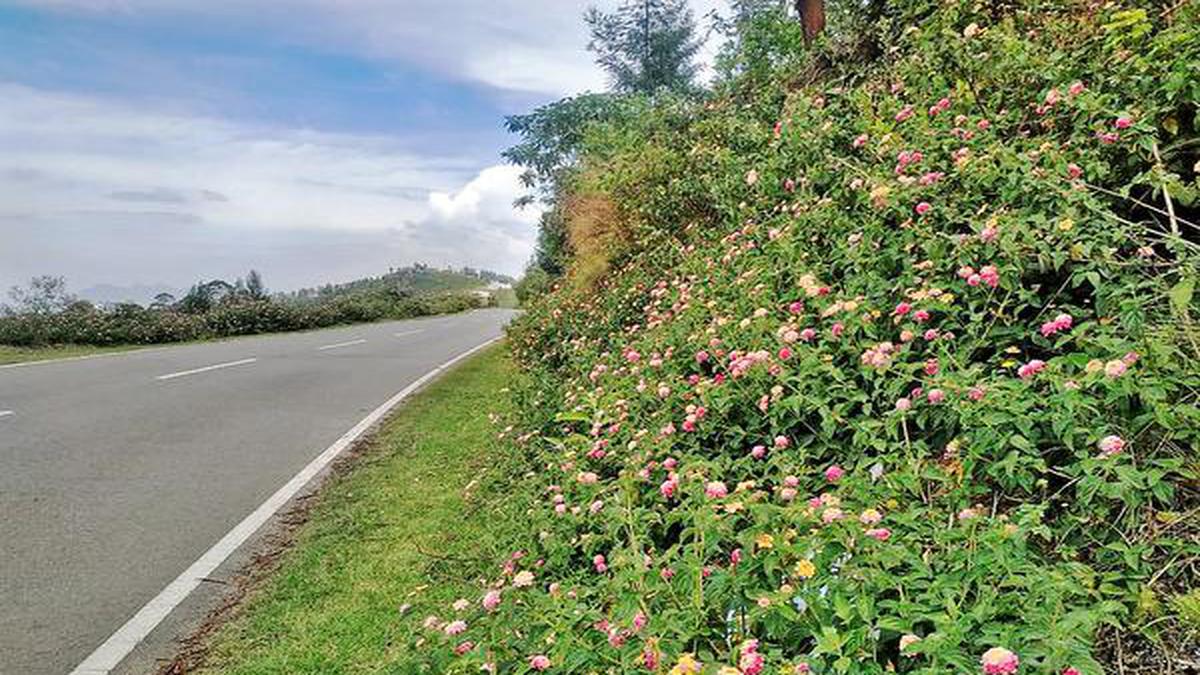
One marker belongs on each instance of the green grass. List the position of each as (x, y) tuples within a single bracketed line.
[(9, 354), (398, 529)]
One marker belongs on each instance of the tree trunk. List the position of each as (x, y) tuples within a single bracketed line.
[(812, 16)]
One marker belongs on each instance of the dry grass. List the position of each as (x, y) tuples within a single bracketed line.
[(595, 229)]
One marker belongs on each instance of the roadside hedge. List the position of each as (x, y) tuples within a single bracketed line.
[(85, 324)]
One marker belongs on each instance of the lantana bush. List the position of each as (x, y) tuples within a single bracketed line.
[(892, 369)]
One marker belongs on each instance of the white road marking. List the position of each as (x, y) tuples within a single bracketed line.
[(6, 413), (410, 332), (110, 654), (342, 344), (205, 369)]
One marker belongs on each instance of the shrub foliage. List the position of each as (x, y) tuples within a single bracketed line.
[(892, 368)]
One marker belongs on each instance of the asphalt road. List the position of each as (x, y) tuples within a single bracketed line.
[(118, 472)]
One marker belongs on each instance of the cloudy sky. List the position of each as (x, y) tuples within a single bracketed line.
[(164, 141)]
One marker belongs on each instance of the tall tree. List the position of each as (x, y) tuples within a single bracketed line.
[(255, 287), (646, 45), (44, 295)]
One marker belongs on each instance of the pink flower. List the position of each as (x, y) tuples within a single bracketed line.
[(455, 627), (1060, 322), (1030, 369), (936, 396), (1115, 368), (879, 533), (785, 354), (921, 315), (834, 473), (782, 442), (735, 556), (1076, 89), (923, 208), (999, 661), (715, 490), (831, 514), (668, 487), (796, 307), (837, 329), (701, 356), (491, 600), (903, 404), (539, 662), (751, 663), (860, 141), (1074, 171), (932, 367), (902, 309), (639, 621), (1111, 445), (600, 563), (464, 647), (650, 657), (931, 335), (905, 113), (1123, 122), (990, 275), (807, 334), (1071, 671), (975, 393), (758, 451)]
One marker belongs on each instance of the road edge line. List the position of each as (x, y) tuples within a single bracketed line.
[(120, 644)]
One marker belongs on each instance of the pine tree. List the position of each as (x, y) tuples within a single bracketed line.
[(646, 45)]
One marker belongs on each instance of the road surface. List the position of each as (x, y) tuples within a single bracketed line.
[(118, 472)]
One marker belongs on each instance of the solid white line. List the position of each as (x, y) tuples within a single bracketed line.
[(110, 654), (410, 332), (205, 369), (6, 413), (342, 344)]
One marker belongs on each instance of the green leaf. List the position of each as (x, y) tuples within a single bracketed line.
[(1181, 294)]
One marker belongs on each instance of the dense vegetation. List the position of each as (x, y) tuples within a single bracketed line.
[(47, 315), (879, 357)]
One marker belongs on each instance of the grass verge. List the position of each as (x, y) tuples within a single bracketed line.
[(408, 526), (9, 354)]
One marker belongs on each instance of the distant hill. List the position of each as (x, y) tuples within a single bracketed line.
[(142, 294), (413, 280)]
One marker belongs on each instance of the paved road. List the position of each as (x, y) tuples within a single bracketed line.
[(117, 473)]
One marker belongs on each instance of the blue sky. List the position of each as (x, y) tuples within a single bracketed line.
[(164, 141)]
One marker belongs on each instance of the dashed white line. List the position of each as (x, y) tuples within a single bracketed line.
[(410, 332), (205, 369), (114, 650), (342, 344), (6, 413)]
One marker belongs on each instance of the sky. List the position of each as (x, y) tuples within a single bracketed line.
[(168, 141)]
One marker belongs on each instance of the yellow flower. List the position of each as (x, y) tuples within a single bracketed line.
[(805, 569), (1066, 225), (764, 540), (687, 665)]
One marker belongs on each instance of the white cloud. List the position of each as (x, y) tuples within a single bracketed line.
[(84, 163)]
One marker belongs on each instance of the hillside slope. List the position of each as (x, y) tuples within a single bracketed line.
[(886, 362)]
